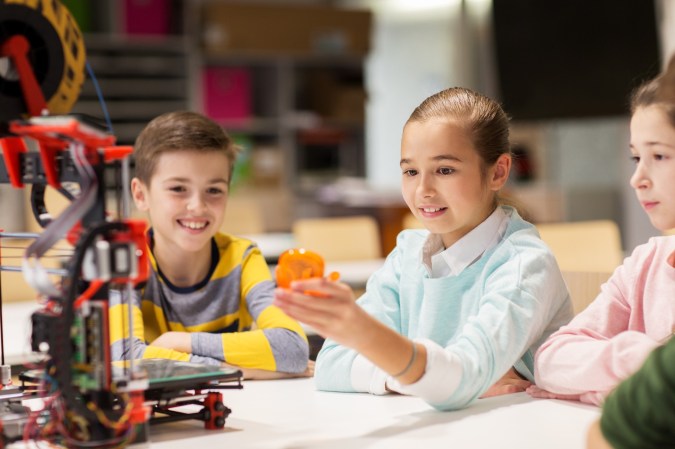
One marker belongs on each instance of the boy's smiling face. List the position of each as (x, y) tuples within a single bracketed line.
[(185, 200)]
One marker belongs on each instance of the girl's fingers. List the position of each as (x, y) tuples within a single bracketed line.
[(326, 315), (300, 303), (318, 284), (317, 319)]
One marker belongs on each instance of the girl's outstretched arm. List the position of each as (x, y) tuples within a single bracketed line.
[(329, 308)]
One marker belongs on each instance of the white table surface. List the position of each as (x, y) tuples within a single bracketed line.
[(17, 330), (291, 414)]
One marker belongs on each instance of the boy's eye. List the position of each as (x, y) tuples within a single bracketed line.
[(659, 157), (409, 172), (215, 191), (635, 159), (446, 170), (177, 189)]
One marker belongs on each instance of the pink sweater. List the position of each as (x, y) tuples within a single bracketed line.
[(633, 314)]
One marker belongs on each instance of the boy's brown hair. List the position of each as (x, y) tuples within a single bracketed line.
[(180, 131)]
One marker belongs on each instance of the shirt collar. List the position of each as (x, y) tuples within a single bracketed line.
[(453, 260)]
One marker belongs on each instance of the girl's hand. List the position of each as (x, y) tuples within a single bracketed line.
[(327, 306), (510, 383), (589, 397), (540, 393)]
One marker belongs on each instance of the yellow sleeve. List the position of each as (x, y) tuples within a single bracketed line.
[(255, 349), (119, 335)]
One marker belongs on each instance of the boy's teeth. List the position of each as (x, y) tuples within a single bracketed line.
[(194, 225), (431, 209)]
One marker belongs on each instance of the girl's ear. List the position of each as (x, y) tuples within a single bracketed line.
[(139, 194), (500, 172)]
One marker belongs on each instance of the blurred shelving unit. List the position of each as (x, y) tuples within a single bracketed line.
[(286, 80), (290, 78), (139, 78)]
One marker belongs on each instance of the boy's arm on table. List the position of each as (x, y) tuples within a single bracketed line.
[(181, 341), (588, 357), (277, 344), (124, 348)]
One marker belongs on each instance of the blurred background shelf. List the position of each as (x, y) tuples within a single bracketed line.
[(139, 78)]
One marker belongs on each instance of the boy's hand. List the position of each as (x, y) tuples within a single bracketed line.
[(178, 341), (511, 382), (261, 374)]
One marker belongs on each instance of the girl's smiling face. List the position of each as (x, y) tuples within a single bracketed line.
[(444, 182), (652, 144)]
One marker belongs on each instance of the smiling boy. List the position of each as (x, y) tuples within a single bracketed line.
[(206, 290)]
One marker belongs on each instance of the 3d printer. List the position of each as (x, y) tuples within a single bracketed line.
[(85, 400)]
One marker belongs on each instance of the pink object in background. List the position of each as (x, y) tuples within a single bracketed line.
[(147, 16), (227, 93)]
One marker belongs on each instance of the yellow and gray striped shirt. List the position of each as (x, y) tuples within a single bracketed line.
[(229, 314)]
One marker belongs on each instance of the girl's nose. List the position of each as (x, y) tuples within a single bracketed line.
[(425, 186), (640, 178)]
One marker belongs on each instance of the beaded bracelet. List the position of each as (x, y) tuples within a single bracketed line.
[(410, 362)]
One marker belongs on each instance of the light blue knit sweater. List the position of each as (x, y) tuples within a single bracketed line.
[(492, 316)]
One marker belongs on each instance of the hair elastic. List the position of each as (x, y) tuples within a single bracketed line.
[(413, 357)]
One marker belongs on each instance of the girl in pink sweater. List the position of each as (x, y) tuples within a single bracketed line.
[(635, 310)]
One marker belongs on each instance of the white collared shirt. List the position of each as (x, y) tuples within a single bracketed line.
[(441, 262)]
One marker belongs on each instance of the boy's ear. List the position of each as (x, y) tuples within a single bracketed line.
[(500, 172), (139, 194)]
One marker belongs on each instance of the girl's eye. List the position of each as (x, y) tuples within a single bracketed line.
[(177, 189), (659, 157), (635, 159), (410, 172), (446, 170)]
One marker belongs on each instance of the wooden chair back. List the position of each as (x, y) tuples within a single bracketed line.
[(584, 286), (584, 246), (340, 238)]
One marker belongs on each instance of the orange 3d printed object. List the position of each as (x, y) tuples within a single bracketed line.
[(299, 263)]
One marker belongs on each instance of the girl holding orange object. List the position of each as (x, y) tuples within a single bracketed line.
[(458, 308)]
